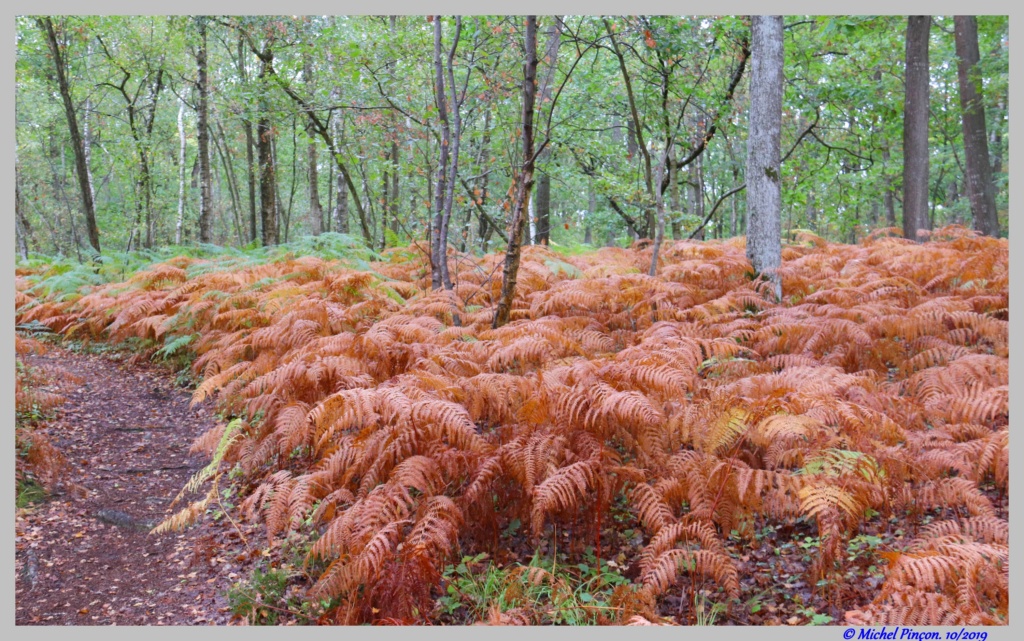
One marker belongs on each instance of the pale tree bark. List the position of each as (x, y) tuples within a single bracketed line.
[(86, 129), (673, 196), (438, 237), (659, 207), (453, 169), (915, 127), (81, 162), (265, 153), (764, 193), (23, 229), (393, 159), (249, 144), (524, 181), (698, 192), (181, 172), (203, 135), (316, 214), (980, 189)]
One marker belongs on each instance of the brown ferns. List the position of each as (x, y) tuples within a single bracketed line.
[(399, 427)]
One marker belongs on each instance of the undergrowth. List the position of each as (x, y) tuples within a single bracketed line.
[(403, 434)]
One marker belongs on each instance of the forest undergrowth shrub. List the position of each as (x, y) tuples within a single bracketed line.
[(410, 434)]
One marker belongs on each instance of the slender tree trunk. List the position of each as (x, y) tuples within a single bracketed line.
[(249, 144), (448, 160), (524, 181), (316, 215), (225, 158), (915, 127), (203, 135), (181, 172), (698, 192), (673, 196), (86, 128), (543, 234), (81, 163), (395, 166), (764, 194), (265, 151), (453, 168), (341, 207), (23, 229), (980, 189), (636, 131)]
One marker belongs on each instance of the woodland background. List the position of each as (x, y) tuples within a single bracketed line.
[(366, 162)]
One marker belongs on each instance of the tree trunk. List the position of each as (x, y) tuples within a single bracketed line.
[(264, 148), (659, 207), (438, 240), (81, 163), (225, 158), (698, 192), (453, 169), (980, 189), (673, 196), (341, 207), (249, 144), (395, 166), (915, 127), (203, 135), (524, 181), (636, 132), (316, 214), (764, 194), (543, 235), (23, 228), (181, 172)]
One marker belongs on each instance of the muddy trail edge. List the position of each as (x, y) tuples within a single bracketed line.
[(85, 556)]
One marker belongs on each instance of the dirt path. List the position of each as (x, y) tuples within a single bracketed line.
[(85, 556)]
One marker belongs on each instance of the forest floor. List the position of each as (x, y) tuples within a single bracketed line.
[(84, 555)]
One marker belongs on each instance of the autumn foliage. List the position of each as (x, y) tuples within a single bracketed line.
[(394, 425)]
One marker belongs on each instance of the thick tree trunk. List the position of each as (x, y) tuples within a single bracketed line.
[(81, 163), (659, 235), (980, 189), (915, 127), (524, 182), (203, 135), (764, 195)]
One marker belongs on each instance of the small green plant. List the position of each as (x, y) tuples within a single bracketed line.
[(260, 599), (29, 492), (707, 612), (814, 617)]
